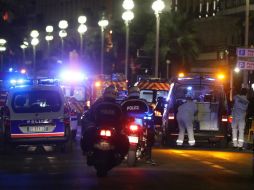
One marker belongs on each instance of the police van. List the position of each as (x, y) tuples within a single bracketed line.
[(211, 123), (36, 114)]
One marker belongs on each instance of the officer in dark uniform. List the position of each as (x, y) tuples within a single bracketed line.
[(104, 112), (133, 106)]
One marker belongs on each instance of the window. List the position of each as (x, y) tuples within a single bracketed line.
[(36, 101), (147, 95)]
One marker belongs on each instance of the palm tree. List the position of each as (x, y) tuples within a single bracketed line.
[(178, 41)]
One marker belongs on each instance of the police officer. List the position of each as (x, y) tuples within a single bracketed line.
[(185, 118), (239, 112), (104, 112), (135, 106)]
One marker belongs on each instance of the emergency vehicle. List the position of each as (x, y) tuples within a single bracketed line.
[(151, 89), (99, 82), (36, 113), (212, 121)]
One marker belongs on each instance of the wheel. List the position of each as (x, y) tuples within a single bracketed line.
[(131, 158)]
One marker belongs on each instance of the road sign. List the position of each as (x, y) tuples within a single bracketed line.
[(245, 65), (245, 52)]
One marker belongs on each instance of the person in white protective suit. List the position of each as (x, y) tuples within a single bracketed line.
[(239, 112), (185, 119)]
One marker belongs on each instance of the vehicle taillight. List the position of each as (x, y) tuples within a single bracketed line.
[(105, 133), (157, 113), (230, 119), (224, 118), (133, 127), (171, 116)]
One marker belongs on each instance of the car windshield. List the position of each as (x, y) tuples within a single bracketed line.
[(36, 101), (161, 93), (200, 93), (147, 95)]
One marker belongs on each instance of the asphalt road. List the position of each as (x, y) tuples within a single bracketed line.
[(31, 168)]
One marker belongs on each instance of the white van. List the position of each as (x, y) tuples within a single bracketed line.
[(36, 114), (212, 122)]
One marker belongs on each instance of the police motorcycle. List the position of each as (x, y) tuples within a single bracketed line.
[(137, 131), (102, 141)]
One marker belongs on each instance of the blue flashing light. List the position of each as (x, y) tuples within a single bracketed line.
[(17, 82), (189, 88), (10, 69), (72, 76), (148, 117)]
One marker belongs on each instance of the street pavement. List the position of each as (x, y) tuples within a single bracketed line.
[(185, 168)]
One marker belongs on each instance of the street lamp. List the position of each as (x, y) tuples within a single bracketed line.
[(2, 50), (23, 47), (63, 25), (34, 43), (103, 23), (49, 37), (127, 16), (168, 63), (82, 19), (157, 6), (81, 30)]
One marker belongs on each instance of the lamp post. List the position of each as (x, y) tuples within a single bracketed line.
[(63, 25), (127, 16), (81, 30), (49, 37), (103, 23), (23, 47), (2, 50), (157, 6), (34, 42), (168, 63)]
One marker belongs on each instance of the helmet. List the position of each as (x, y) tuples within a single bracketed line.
[(133, 91), (110, 92)]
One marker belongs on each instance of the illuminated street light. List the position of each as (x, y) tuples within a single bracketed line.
[(127, 16), (34, 34), (128, 4), (237, 70), (103, 23), (63, 24), (49, 28), (82, 19), (2, 41), (34, 43), (157, 6), (23, 47), (62, 35), (49, 37), (81, 30), (2, 50)]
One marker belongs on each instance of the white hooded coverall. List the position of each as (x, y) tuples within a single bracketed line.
[(185, 118), (238, 123)]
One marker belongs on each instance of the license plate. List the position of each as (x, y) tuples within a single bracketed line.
[(103, 146), (133, 139), (37, 129)]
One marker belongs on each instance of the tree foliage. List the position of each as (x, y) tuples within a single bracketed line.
[(177, 38)]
